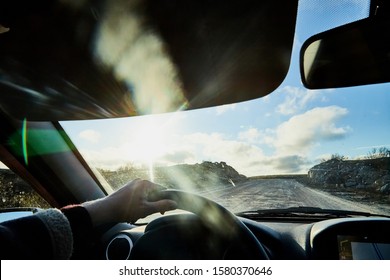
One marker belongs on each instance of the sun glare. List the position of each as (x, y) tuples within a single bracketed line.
[(149, 138), (149, 141)]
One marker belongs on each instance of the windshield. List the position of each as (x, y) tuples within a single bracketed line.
[(294, 147)]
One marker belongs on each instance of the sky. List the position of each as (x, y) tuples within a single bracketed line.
[(288, 131)]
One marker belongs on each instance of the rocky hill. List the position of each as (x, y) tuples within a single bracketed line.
[(203, 175), (366, 174), (184, 176)]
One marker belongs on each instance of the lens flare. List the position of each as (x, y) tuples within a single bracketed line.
[(24, 141)]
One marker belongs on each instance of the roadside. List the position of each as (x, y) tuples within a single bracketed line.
[(363, 196), (369, 197)]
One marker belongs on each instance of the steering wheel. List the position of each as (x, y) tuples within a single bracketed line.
[(167, 233)]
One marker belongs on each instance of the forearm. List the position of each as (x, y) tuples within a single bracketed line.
[(82, 230), (45, 235), (101, 212)]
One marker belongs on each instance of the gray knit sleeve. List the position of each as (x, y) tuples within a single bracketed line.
[(60, 231)]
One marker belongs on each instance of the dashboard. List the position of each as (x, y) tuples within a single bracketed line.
[(358, 239), (185, 237)]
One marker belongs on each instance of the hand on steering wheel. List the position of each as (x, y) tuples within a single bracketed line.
[(213, 216)]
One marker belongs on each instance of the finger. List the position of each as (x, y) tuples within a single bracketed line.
[(157, 187), (162, 206), (154, 193)]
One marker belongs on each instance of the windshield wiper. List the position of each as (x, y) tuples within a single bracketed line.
[(303, 212)]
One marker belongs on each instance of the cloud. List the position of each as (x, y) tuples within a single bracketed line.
[(224, 108), (156, 144), (176, 157), (109, 157), (288, 164), (247, 158), (251, 135), (296, 99), (90, 135), (190, 148), (217, 147), (291, 144), (255, 136), (302, 132), (115, 157)]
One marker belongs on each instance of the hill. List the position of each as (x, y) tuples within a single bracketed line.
[(365, 174), (183, 176)]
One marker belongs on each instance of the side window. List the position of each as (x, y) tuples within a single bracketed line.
[(15, 192)]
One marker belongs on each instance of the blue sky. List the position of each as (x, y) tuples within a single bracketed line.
[(288, 131)]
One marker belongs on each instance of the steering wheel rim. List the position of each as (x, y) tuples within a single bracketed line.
[(217, 218)]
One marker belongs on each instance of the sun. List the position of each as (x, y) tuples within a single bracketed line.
[(149, 138)]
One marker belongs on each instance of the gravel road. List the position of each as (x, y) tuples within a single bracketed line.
[(282, 193)]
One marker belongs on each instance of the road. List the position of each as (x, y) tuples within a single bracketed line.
[(281, 193)]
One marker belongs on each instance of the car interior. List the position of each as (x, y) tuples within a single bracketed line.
[(67, 62)]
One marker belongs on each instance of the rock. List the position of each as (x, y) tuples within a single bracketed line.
[(350, 183), (358, 174), (385, 189), (382, 180), (361, 186), (200, 176)]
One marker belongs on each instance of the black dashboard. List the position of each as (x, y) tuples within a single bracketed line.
[(185, 237), (359, 238)]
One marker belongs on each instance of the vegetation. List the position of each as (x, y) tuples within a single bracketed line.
[(14, 192), (381, 152), (335, 157), (375, 153)]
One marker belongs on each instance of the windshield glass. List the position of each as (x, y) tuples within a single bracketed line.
[(294, 147)]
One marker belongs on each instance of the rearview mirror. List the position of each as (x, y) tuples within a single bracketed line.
[(354, 54)]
